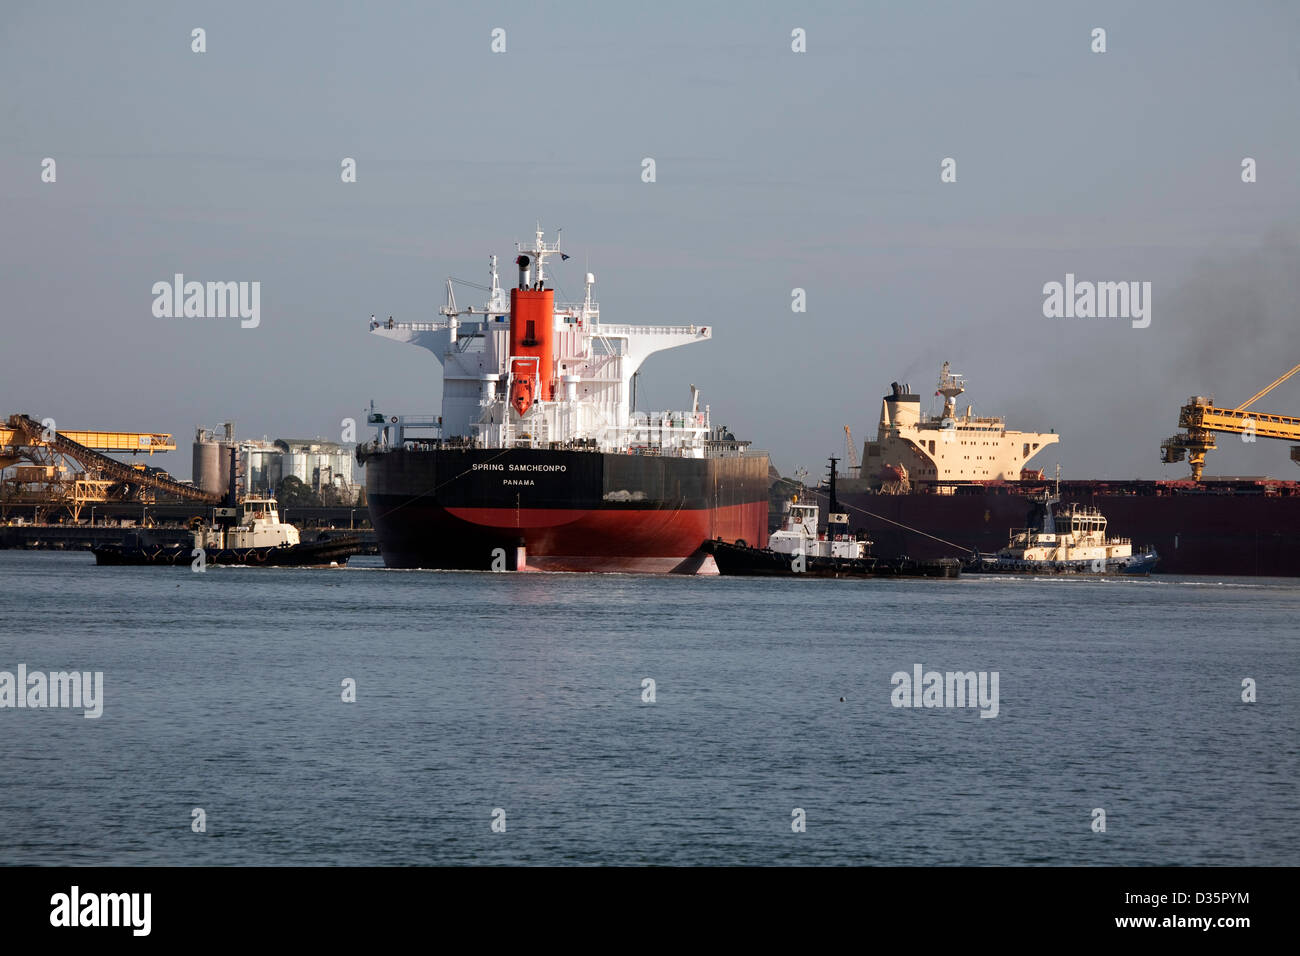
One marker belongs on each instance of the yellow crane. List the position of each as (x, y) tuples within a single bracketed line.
[(121, 443), (1201, 418), (69, 468)]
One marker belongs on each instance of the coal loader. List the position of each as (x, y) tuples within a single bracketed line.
[(539, 460)]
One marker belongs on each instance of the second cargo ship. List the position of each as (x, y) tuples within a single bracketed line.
[(539, 460), (939, 485)]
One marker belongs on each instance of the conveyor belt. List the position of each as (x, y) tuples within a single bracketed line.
[(106, 466)]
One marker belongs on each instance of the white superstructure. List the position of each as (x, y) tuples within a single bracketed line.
[(799, 534), (586, 394), (257, 525)]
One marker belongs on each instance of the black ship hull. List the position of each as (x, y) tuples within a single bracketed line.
[(559, 510), (763, 562)]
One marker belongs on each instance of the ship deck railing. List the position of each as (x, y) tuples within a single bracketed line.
[(622, 330), (665, 433), (732, 449), (578, 310), (595, 328), (973, 423), (1136, 487), (412, 326)]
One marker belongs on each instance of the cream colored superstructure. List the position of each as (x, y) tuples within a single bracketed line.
[(912, 447), (1078, 533)]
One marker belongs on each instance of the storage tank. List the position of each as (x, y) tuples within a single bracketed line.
[(260, 464), (211, 458), (207, 473)]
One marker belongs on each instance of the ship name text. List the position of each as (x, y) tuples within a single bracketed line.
[(484, 466)]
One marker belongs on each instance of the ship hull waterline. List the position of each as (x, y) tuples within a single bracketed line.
[(1139, 565), (744, 561), (482, 509), (318, 554)]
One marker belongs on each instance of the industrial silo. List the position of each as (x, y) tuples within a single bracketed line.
[(207, 464), (211, 458)]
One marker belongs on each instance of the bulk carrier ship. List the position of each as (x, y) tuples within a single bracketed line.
[(936, 486), (539, 460)]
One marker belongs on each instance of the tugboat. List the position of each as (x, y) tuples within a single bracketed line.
[(1069, 541), (249, 533), (797, 548)]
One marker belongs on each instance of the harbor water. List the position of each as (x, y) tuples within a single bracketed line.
[(583, 719)]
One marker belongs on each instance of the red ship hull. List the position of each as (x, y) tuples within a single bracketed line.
[(651, 541)]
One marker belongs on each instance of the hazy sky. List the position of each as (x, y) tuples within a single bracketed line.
[(775, 170)]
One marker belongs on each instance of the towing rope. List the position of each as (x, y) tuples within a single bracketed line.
[(925, 534)]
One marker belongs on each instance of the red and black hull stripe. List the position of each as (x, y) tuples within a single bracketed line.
[(568, 510)]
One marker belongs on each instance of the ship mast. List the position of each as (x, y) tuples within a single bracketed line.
[(541, 249), (496, 295), (950, 386)]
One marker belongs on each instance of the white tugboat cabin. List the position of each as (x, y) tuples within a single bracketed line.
[(799, 534), (257, 525)]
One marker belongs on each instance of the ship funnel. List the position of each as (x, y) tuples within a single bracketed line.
[(900, 407), (523, 262), (532, 349)]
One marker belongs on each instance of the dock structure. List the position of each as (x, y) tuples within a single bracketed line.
[(70, 469)]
